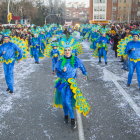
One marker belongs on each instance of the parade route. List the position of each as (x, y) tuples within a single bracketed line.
[(29, 113)]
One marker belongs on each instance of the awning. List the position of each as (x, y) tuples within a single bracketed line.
[(99, 22)]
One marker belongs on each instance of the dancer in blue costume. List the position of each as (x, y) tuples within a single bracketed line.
[(94, 37), (8, 52), (101, 46), (35, 49), (42, 37), (67, 94), (133, 51), (54, 55)]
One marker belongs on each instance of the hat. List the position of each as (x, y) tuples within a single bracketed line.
[(135, 32), (6, 33)]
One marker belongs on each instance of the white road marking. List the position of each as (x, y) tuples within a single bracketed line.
[(96, 60), (80, 126), (109, 76)]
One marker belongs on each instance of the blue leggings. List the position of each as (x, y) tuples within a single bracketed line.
[(36, 55), (132, 66), (54, 61), (102, 51), (66, 94), (8, 71)]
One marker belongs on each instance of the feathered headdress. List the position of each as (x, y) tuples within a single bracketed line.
[(135, 32), (6, 33)]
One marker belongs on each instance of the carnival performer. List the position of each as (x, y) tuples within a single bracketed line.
[(67, 94), (35, 49), (8, 52), (133, 51), (42, 37), (54, 55), (101, 46), (94, 36)]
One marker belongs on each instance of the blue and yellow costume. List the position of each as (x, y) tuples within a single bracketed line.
[(134, 58), (35, 49), (101, 47), (42, 37), (67, 94), (12, 53), (54, 55)]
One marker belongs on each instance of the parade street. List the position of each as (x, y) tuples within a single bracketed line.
[(28, 114)]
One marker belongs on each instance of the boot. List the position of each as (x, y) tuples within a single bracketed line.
[(128, 85), (66, 119), (8, 89), (73, 124), (11, 92)]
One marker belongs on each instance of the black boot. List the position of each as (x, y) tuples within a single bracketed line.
[(11, 92), (66, 119), (8, 89), (73, 124), (37, 62), (105, 63), (128, 85), (99, 61)]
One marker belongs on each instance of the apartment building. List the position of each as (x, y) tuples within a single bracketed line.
[(114, 10), (76, 11)]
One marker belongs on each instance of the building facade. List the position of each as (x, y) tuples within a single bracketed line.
[(100, 11), (124, 10), (114, 10), (76, 12), (134, 10)]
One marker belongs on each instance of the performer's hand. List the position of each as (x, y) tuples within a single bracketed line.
[(4, 52), (85, 77), (133, 49), (65, 69)]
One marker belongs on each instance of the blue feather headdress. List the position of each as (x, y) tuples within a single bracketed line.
[(135, 32)]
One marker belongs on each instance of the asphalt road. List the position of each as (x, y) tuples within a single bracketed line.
[(29, 113)]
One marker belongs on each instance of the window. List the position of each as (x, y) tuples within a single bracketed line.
[(100, 16), (135, 9), (136, 1), (119, 8), (123, 15), (100, 8), (124, 8), (114, 1), (124, 1), (120, 1), (94, 16), (114, 16), (103, 8), (114, 8), (103, 17), (95, 1)]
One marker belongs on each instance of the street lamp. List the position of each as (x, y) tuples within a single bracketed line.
[(50, 15)]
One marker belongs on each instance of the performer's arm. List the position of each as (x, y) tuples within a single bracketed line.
[(19, 50), (81, 66)]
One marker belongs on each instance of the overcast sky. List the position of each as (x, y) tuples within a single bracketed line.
[(85, 1)]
